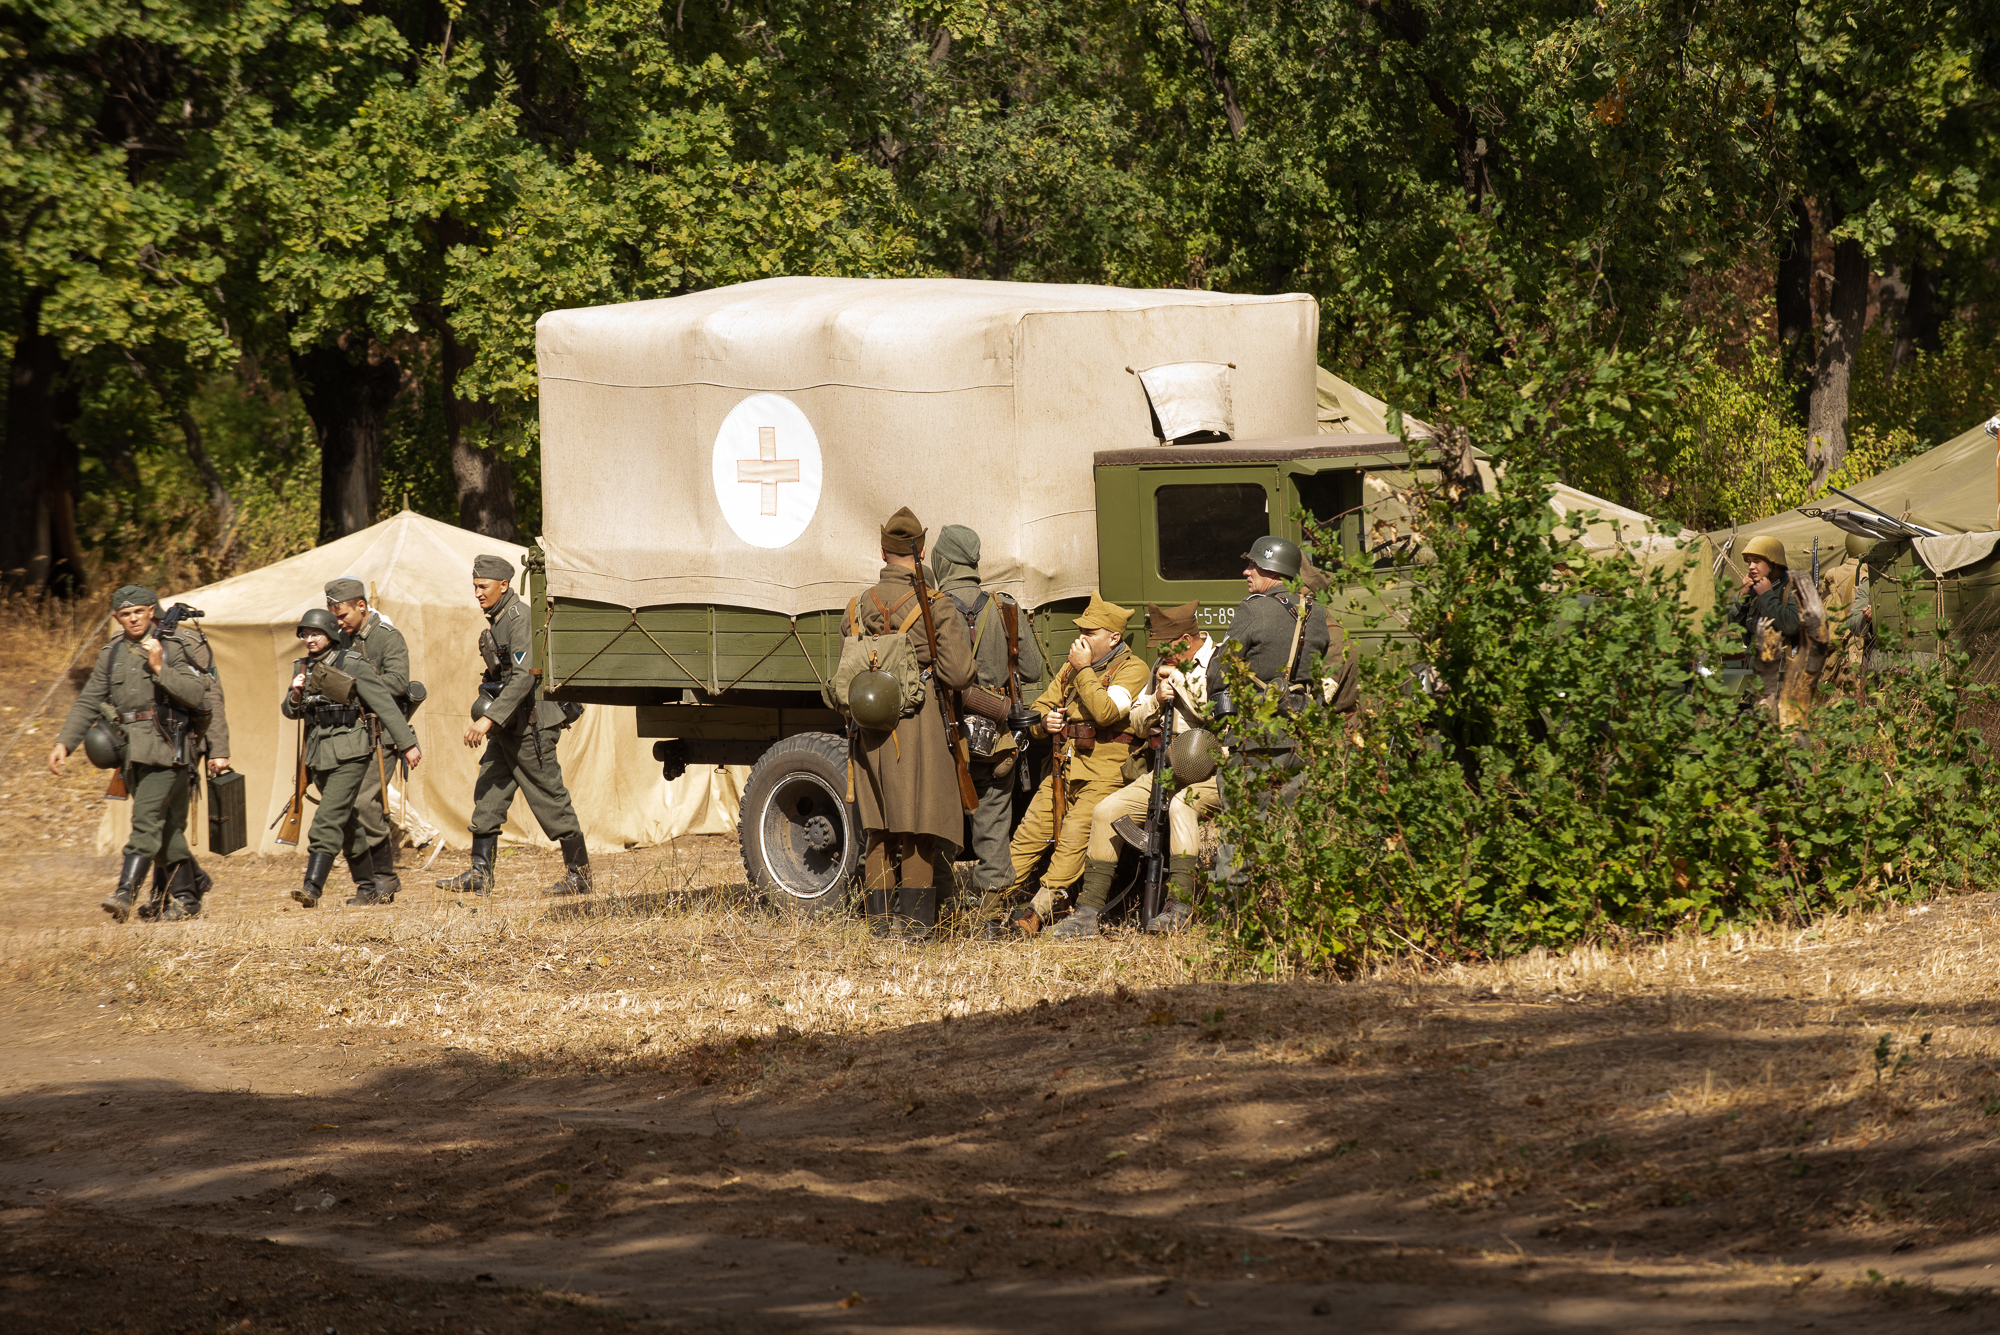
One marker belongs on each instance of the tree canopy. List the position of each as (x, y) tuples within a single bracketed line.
[(273, 253)]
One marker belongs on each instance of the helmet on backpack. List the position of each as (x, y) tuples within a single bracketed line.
[(875, 700)]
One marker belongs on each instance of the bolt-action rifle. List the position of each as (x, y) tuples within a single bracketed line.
[(294, 813)]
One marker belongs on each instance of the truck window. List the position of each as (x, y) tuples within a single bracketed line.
[(1204, 530)]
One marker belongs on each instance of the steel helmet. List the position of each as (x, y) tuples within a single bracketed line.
[(1278, 555), (1772, 549), (104, 746), (321, 620), (480, 704), (875, 700), (1858, 547), (1193, 755)]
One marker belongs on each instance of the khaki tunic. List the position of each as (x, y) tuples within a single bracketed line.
[(1086, 697), (906, 781)]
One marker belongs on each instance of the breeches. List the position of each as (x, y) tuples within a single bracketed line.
[(1038, 829), (1184, 811), (159, 812), (523, 762)]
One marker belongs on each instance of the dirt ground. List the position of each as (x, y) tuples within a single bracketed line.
[(671, 1109)]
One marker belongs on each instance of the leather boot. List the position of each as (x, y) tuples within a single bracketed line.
[(1078, 926), (479, 880), (156, 902), (317, 867), (576, 867), (183, 893), (131, 876), (387, 884), (362, 869)]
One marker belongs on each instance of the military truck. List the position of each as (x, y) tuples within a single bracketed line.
[(716, 468)]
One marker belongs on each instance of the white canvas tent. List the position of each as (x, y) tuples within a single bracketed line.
[(742, 446), (419, 572)]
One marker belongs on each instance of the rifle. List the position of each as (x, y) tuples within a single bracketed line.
[(295, 810), (381, 772), (1010, 618), (176, 614), (968, 795), (115, 790), (1153, 858)]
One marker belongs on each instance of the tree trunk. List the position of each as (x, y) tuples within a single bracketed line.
[(348, 394), (1218, 73), (1840, 330), (1796, 352), (485, 482), (38, 544), (1917, 323)]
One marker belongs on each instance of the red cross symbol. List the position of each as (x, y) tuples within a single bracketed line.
[(767, 470)]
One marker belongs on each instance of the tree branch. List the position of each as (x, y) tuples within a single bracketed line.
[(1218, 74)]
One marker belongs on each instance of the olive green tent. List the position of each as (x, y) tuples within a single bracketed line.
[(1950, 489)]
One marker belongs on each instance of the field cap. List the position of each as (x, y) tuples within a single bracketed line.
[(492, 567), (1164, 625), (133, 595), (344, 590), (1102, 614), (902, 535)]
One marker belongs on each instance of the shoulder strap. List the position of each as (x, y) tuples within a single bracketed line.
[(1299, 615), (854, 615), (976, 615), (1010, 618)]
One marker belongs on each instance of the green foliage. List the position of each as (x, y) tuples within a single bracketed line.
[(1577, 777), (1733, 452)]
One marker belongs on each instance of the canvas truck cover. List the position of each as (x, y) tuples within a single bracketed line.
[(742, 446)]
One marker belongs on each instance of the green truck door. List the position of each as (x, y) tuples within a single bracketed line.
[(1192, 526)]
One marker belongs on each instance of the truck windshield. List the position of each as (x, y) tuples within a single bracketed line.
[(1204, 530)]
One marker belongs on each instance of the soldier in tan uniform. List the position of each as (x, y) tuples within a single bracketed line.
[(1182, 673), (1084, 710), (906, 779)]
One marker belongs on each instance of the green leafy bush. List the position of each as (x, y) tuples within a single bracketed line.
[(1579, 775)]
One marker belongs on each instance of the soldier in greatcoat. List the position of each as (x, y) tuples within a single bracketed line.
[(519, 730), (906, 780), (334, 690), (366, 632), (151, 694), (956, 560), (1084, 711)]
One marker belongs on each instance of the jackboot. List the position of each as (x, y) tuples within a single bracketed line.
[(156, 902), (183, 893), (362, 869), (387, 884), (576, 867), (131, 876), (1078, 926), (479, 880), (317, 867)]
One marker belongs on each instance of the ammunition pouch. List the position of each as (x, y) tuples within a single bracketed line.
[(330, 716), (324, 679), (1083, 734), (571, 712)]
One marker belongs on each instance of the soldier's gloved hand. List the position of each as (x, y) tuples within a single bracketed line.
[(413, 757), (57, 755), (217, 765), (476, 734)]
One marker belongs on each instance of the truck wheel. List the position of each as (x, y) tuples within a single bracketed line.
[(801, 840)]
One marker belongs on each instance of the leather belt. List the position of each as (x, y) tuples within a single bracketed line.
[(1117, 739), (137, 716)]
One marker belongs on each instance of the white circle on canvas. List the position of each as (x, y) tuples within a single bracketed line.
[(767, 470)]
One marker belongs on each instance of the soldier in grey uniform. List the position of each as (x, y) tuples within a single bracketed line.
[(333, 690), (368, 633), (154, 694), (520, 731), (173, 902), (1280, 637), (955, 560)]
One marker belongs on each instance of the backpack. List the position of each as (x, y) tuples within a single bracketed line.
[(890, 652)]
